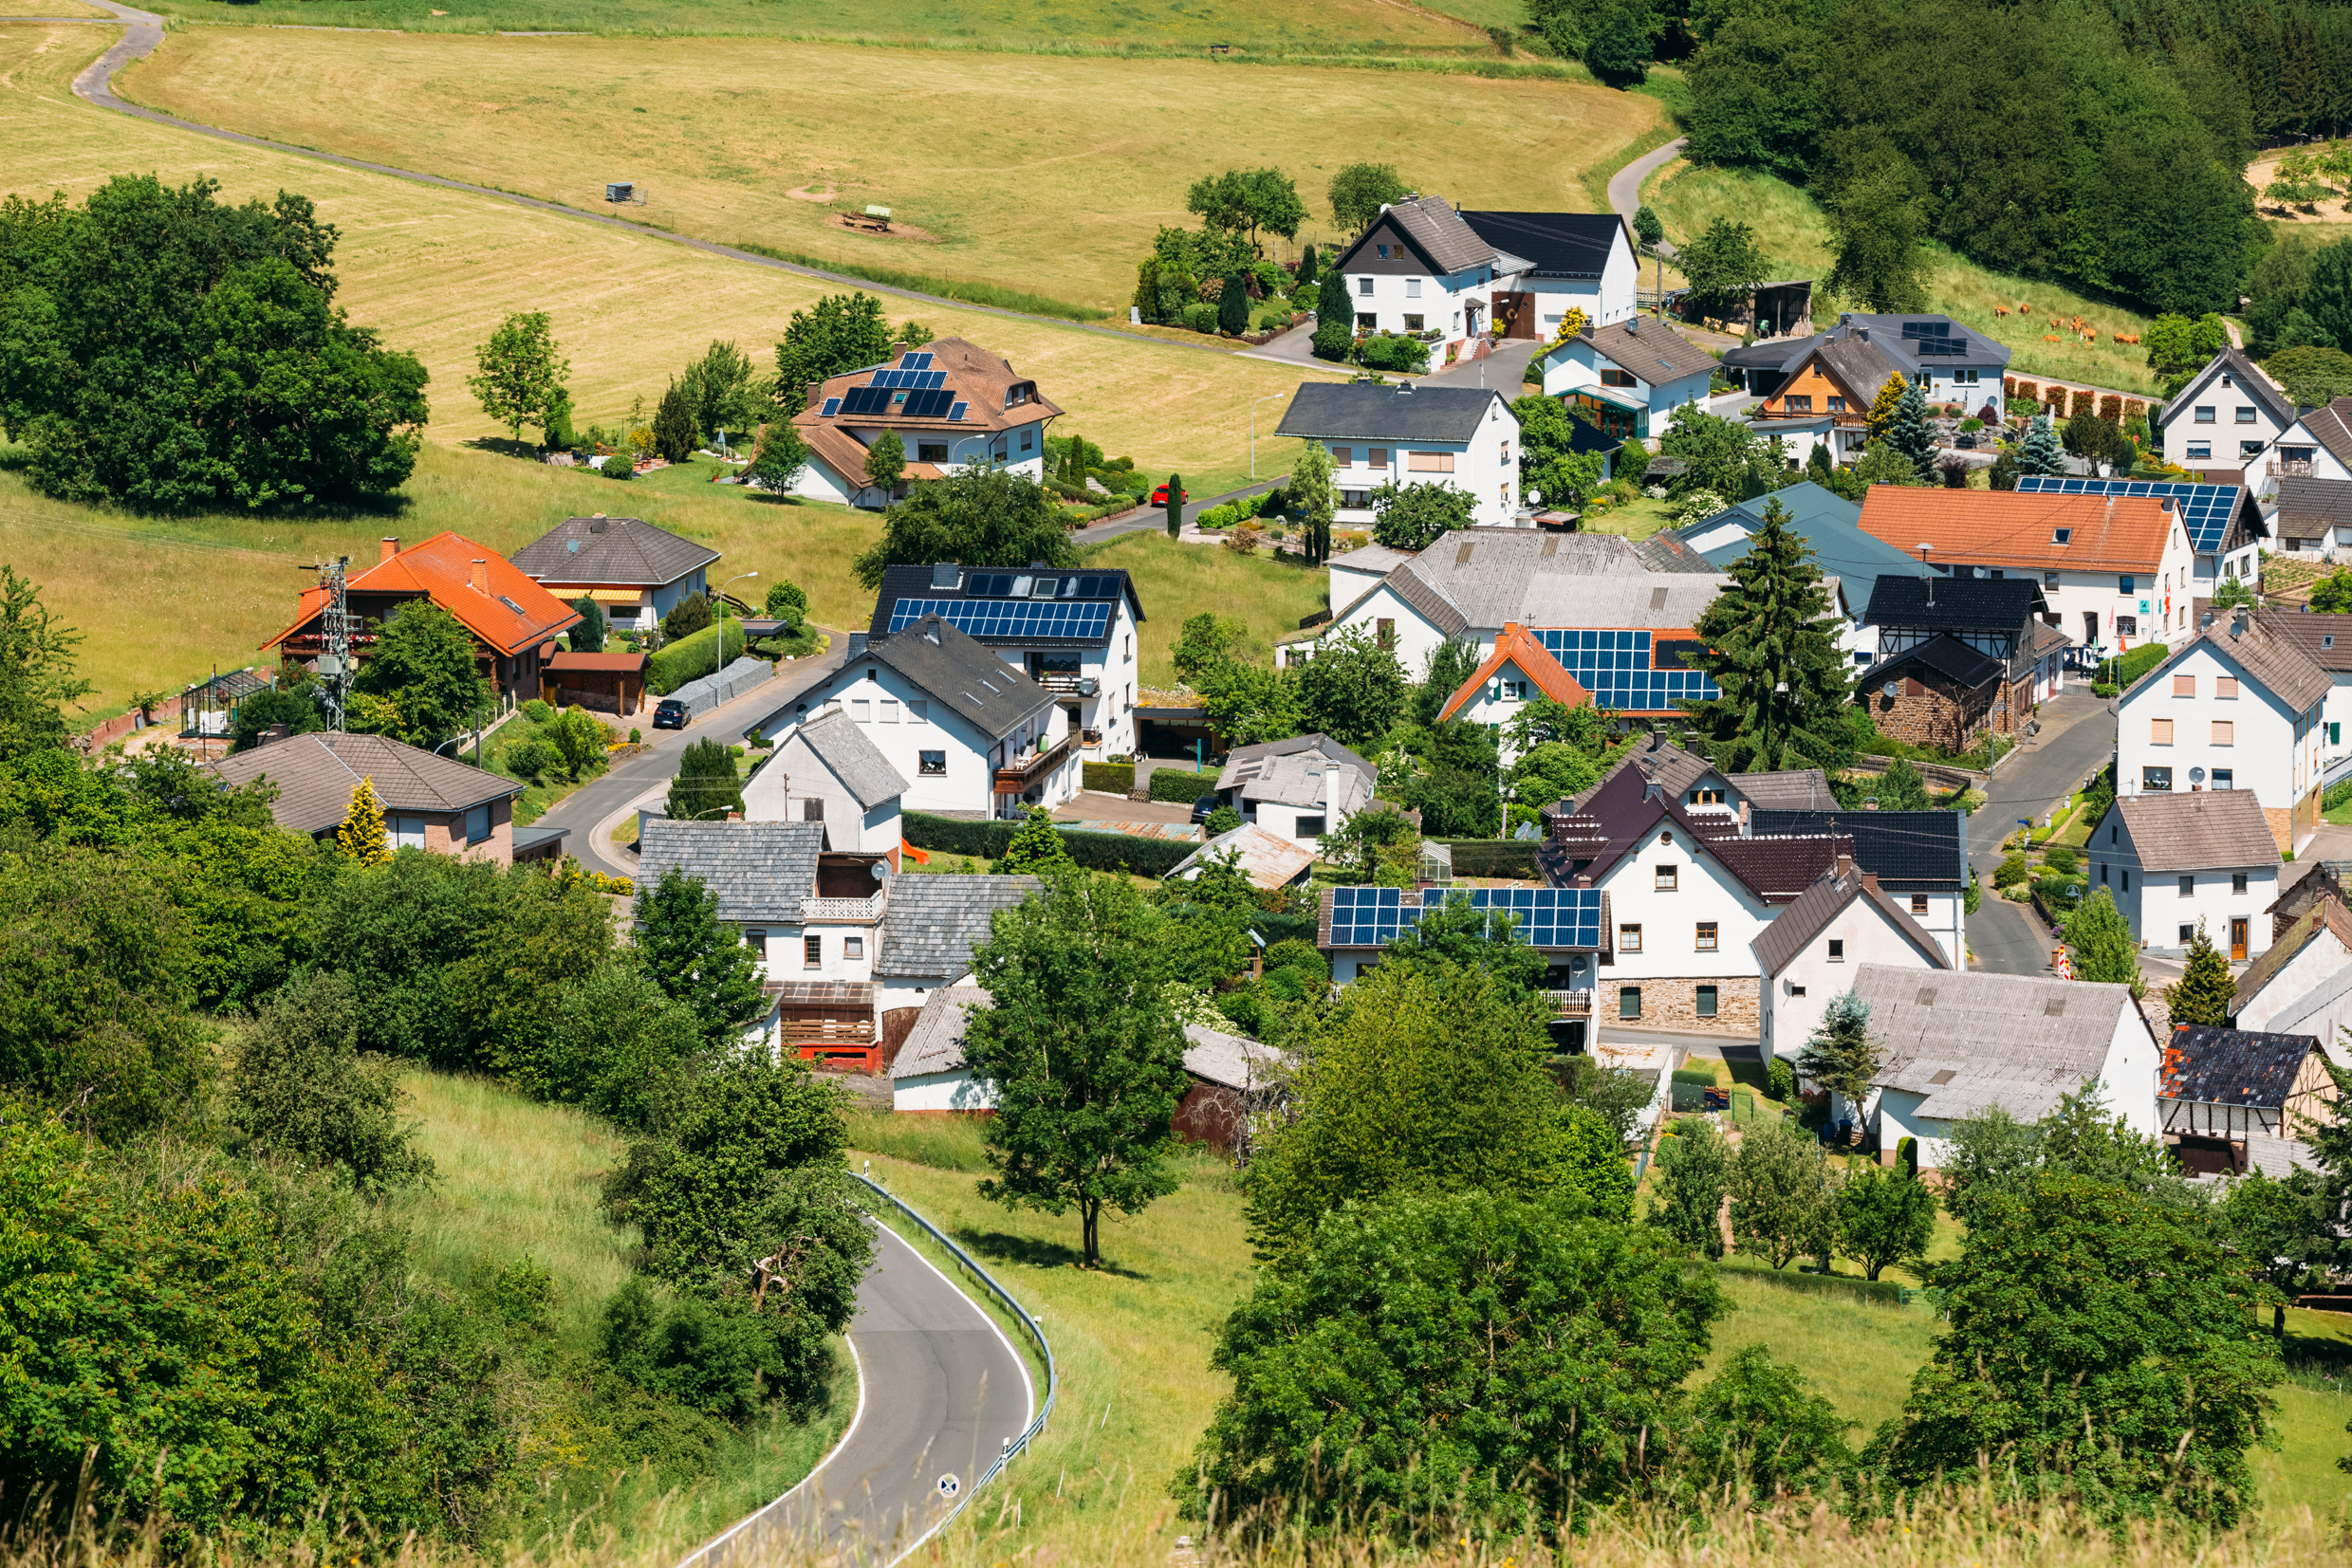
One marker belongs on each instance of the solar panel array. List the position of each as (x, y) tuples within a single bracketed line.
[(914, 362), (1024, 585), (911, 381), (1027, 619), (2205, 510), (866, 400), (1542, 918), (1615, 668), (1930, 339), (927, 405)]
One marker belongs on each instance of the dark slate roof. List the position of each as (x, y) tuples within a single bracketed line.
[(625, 551), (316, 774), (959, 672), (2214, 1067), (1352, 411), (1907, 851), (1945, 655), (1618, 818), (2327, 502), (834, 736), (1958, 604), (1434, 230), (1559, 245), (948, 580), (1651, 351), (931, 924), (1818, 905), (761, 871)]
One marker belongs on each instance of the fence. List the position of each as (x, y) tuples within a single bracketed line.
[(749, 1531), (711, 692)]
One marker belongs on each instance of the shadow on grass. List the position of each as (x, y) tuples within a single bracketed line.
[(500, 446), (997, 1246)]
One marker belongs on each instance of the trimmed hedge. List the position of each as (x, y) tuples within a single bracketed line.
[(1510, 858), (2134, 663), (690, 658), (1181, 784), (1110, 778), (1095, 851)]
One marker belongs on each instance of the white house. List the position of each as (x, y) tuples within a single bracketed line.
[(1349, 576), (2225, 420), (1407, 434), (635, 572), (1559, 262), (1629, 376), (2238, 706), (1298, 789), (1418, 269), (2174, 862), (2303, 985), (2225, 525), (1073, 632), (2317, 446), (2311, 517), (1953, 1044), (929, 931), (951, 403), (825, 770), (1918, 858), (974, 736), (1568, 926), (929, 1076), (1813, 949)]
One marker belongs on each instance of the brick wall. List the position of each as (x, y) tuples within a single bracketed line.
[(1932, 711), (1673, 1003)]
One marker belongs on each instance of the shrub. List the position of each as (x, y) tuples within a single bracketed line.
[(692, 658), (1394, 350), (1201, 316), (1095, 851), (1781, 1081), (2336, 794), (1176, 783), (530, 756), (687, 616), (1110, 778), (538, 711), (618, 468), (2060, 859), (2134, 663), (2012, 871)]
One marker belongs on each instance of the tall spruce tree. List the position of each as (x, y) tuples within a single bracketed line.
[(2204, 993), (1772, 647), (1233, 306), (2040, 453), (1335, 318), (1908, 433), (2103, 945), (707, 787), (675, 436)]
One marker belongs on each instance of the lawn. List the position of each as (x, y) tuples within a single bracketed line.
[(1635, 520), (1041, 172), (1794, 236), (1268, 596)]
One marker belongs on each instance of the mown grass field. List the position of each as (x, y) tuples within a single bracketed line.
[(1794, 235), (1038, 173), (1175, 581)]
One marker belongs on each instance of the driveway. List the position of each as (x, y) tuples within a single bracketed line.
[(2076, 741), (1150, 519), (1294, 347), (1504, 369)]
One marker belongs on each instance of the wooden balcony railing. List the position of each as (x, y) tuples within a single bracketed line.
[(1018, 774)]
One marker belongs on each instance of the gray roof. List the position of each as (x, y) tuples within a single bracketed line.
[(1652, 352), (960, 672), (1234, 1061), (2244, 378), (838, 741), (1859, 365), (1448, 243), (2198, 830), (2331, 427), (2271, 659), (932, 923), (1799, 922), (1485, 579), (1268, 859), (1793, 790), (1969, 1041), (1318, 743), (1302, 779), (761, 871), (1364, 411), (624, 551), (936, 1044), (316, 774), (1377, 559), (2326, 501)]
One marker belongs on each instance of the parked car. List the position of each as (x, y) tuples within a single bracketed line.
[(670, 713), (1966, 443), (1159, 496), (1205, 805)]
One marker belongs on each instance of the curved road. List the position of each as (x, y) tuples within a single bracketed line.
[(1625, 186)]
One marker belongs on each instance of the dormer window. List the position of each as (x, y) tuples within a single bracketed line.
[(1383, 250), (2062, 536)]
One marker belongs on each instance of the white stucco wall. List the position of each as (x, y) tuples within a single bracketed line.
[(1797, 993), (2271, 750)]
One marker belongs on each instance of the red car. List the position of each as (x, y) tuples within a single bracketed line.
[(1159, 496)]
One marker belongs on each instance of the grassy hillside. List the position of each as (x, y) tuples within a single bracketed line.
[(1180, 580), (1794, 235), (1043, 173)]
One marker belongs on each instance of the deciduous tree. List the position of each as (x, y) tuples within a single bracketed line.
[(885, 464), (840, 333), (1359, 191), (423, 665), (520, 373), (782, 458), (1783, 1203), (2101, 944), (981, 517), (1312, 496), (696, 958), (1693, 1175), (1723, 265), (1353, 689), (1757, 1427), (1248, 202), (1886, 1215), (301, 1090), (1413, 517), (1875, 228)]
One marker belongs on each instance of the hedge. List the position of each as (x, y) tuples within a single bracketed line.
[(1095, 851), (1505, 858), (688, 657), (2134, 664), (1110, 778), (1180, 784)]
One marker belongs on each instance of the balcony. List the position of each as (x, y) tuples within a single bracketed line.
[(1068, 683), (2288, 468), (1016, 776), (1571, 1004), (851, 912)]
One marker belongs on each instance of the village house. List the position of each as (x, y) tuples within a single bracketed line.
[(825, 770), (1072, 632), (1813, 947), (2317, 446), (2175, 862), (1298, 789), (1821, 389), (514, 621), (2303, 982), (932, 925), (2312, 517), (1558, 261), (2224, 421), (1568, 926), (2238, 706), (1919, 858), (1722, 802), (1419, 269), (2224, 1094), (1850, 561), (1627, 378), (950, 403), (2225, 525), (430, 803), (1269, 860), (1958, 658), (1409, 435), (635, 572)]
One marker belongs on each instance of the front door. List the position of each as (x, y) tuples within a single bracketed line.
[(2237, 940)]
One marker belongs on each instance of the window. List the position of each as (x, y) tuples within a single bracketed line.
[(1797, 403), (1355, 501), (406, 832), (931, 451), (812, 810), (2188, 934), (1430, 462), (1412, 288), (1363, 285), (1375, 457), (2205, 414), (1028, 438), (1367, 322), (1309, 827), (477, 824), (2246, 413), (2127, 584), (2184, 686), (757, 942), (2160, 731), (918, 710), (2188, 887), (2127, 879), (861, 710), (2201, 452), (2335, 734), (2127, 626), (1703, 1001), (1629, 1002), (1837, 405), (2049, 579), (1707, 797), (1664, 879), (853, 948), (2250, 448), (2155, 780), (1384, 632), (1629, 938), (1796, 990), (931, 765), (1342, 458), (2225, 778), (812, 952), (1704, 940), (2237, 882), (2225, 687), (1413, 323), (2225, 732), (1837, 949), (1612, 376), (2103, 874), (1918, 903), (890, 710)]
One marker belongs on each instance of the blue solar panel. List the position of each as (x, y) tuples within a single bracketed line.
[(867, 400), (927, 405), (1023, 619), (914, 362), (1542, 918), (957, 412), (1616, 668), (2205, 510), (832, 406)]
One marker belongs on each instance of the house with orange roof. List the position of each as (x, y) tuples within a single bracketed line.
[(2115, 571), (1519, 669), (950, 402), (513, 620)]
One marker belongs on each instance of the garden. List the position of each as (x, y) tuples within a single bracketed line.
[(550, 752)]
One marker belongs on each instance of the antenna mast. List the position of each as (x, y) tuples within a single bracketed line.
[(335, 634)]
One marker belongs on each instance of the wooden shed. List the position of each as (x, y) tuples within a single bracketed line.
[(608, 683)]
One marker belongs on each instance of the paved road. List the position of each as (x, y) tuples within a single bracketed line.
[(2077, 740), (1148, 519), (1625, 185)]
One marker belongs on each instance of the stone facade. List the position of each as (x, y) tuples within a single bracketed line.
[(1673, 1003), (1936, 712)]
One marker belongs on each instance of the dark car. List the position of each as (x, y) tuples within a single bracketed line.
[(1967, 442), (1205, 805), (670, 713)]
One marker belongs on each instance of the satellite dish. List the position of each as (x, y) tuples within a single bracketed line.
[(2197, 775), (878, 870)]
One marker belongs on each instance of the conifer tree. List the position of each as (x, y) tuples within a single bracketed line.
[(1838, 1056), (707, 787), (1233, 306), (2204, 991), (1772, 647), (1175, 505), (1335, 318), (2102, 944), (2041, 452), (675, 436), (1910, 436), (361, 836), (1882, 408), (1307, 265), (1311, 496), (1036, 847)]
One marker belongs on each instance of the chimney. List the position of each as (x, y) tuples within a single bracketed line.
[(897, 351), (391, 548), (1743, 818), (275, 733), (816, 394), (1844, 867), (1870, 880), (1633, 326), (481, 578), (735, 816), (856, 644), (1404, 389), (1583, 881)]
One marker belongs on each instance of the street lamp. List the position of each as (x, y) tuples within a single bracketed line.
[(1254, 428), (718, 656)]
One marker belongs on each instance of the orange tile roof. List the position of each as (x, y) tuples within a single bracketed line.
[(1515, 646), (2018, 528), (513, 615)]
